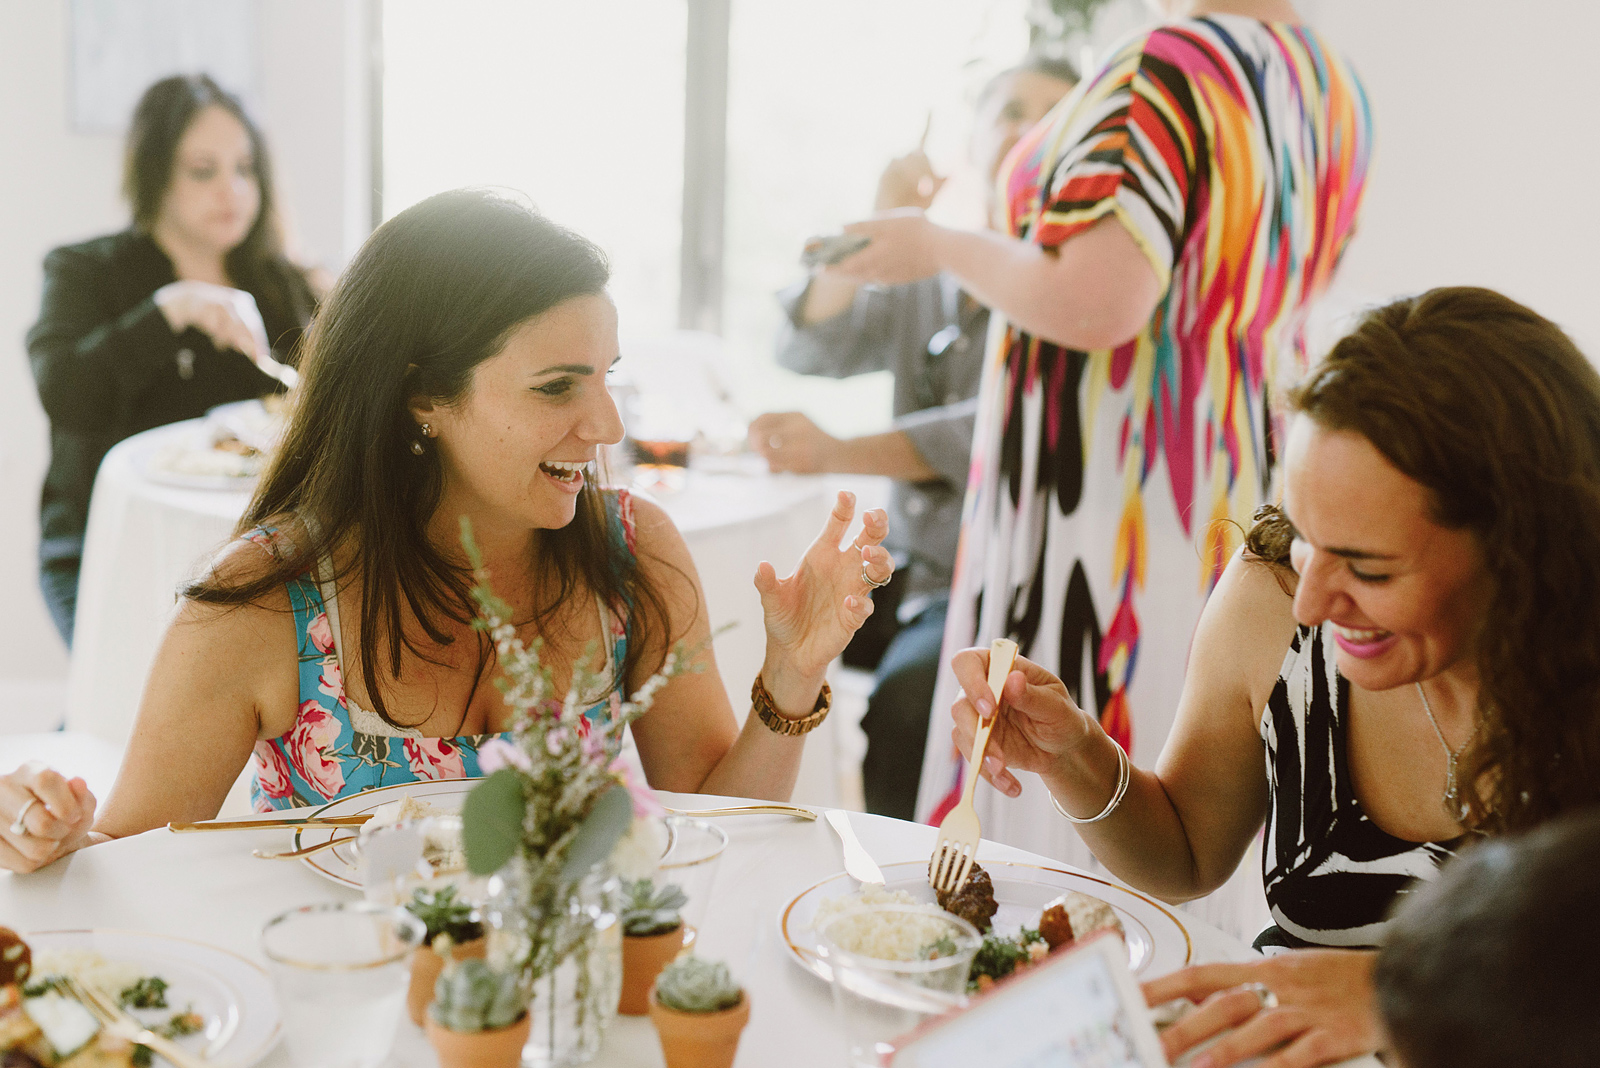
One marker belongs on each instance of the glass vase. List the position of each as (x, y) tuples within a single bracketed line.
[(568, 943)]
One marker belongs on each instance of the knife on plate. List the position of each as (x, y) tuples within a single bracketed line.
[(857, 861)]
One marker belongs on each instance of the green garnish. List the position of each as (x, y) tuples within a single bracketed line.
[(148, 993), (944, 947)]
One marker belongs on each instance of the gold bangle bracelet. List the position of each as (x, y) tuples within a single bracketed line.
[(761, 701)]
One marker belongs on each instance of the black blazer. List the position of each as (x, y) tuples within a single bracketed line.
[(107, 366)]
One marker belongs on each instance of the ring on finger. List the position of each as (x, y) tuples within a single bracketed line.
[(869, 580), (1263, 994), (19, 826)]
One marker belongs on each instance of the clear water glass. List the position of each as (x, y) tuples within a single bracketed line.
[(341, 971), (398, 859), (694, 853), (878, 1000)]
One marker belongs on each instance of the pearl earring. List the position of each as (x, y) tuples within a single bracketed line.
[(416, 447), (427, 430)]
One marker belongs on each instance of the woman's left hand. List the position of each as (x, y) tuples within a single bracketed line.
[(812, 615), (902, 249), (1310, 1006)]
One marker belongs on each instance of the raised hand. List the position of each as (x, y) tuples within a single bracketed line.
[(1041, 721), (812, 615), (902, 249), (56, 813), (1299, 1009), (790, 441), (909, 181), (229, 317)]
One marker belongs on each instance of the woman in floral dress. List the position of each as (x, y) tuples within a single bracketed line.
[(1171, 223)]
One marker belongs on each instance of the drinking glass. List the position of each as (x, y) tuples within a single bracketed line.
[(694, 851), (398, 859), (879, 999), (341, 971)]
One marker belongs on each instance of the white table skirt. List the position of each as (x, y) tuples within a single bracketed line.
[(208, 887), (145, 539)]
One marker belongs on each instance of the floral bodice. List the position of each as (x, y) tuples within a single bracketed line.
[(336, 748)]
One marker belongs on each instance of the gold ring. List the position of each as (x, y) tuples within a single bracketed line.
[(868, 578), (19, 825)]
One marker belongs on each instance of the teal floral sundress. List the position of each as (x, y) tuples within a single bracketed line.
[(336, 748)]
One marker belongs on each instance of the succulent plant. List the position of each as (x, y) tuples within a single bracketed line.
[(444, 915), (472, 996), (690, 984), (648, 909)]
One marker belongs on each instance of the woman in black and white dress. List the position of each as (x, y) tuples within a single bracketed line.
[(1403, 656)]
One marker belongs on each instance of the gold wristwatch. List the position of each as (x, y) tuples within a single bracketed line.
[(761, 700)]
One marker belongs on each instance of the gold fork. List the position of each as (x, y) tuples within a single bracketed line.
[(296, 854), (960, 831), (121, 1024)]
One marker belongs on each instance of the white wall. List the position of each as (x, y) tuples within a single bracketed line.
[(57, 186), (1488, 151)]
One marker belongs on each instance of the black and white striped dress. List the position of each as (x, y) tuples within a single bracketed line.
[(1332, 876)]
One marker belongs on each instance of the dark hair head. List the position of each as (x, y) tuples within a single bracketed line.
[(1495, 412), (433, 293), (1051, 66), (1497, 961), (160, 119)]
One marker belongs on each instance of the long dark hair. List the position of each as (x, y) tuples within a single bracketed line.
[(257, 263), (1493, 410), (433, 292)]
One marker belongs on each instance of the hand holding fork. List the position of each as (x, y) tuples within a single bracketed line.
[(960, 832)]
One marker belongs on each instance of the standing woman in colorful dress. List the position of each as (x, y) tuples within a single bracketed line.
[(1167, 228), (172, 316)]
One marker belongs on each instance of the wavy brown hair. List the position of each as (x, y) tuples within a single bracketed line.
[(434, 292), (1493, 410)]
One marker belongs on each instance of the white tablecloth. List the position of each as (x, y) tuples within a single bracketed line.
[(208, 887), (146, 537)]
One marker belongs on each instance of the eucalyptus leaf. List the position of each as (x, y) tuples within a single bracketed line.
[(491, 821), (599, 833)]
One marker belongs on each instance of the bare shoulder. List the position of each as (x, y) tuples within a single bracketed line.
[(657, 540), (1249, 623)]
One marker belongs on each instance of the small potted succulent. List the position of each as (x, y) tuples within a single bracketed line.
[(653, 933), (479, 1017), (699, 1012), (453, 930)]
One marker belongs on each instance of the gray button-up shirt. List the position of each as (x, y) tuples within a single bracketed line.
[(931, 336)]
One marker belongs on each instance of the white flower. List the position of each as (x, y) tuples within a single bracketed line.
[(638, 854)]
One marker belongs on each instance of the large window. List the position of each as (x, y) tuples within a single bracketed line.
[(581, 106)]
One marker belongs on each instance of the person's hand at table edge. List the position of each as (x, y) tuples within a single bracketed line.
[(1296, 1010), (43, 817), (790, 441)]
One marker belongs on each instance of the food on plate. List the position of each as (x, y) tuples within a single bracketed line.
[(16, 959), (1000, 956), (973, 900), (441, 842), (1073, 916), (43, 1026), (904, 934)]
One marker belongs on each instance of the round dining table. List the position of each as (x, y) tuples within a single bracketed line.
[(150, 530), (208, 887)]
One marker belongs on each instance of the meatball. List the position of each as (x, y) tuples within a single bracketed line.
[(16, 960), (974, 900)]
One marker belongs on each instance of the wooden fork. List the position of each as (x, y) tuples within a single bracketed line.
[(960, 832)]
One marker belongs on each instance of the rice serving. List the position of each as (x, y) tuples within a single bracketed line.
[(108, 976), (882, 935)]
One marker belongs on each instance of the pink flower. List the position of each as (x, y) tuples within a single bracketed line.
[(272, 770), (644, 798), (498, 753), (331, 681), (321, 634), (434, 758), (314, 734)]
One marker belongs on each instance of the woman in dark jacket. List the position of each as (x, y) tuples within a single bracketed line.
[(178, 313)]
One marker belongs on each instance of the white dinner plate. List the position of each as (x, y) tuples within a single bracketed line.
[(234, 995), (339, 863), (1157, 941)]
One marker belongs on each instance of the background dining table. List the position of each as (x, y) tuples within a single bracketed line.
[(207, 887), (149, 531)]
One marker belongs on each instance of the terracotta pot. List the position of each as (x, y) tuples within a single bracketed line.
[(699, 1039), (425, 968), (501, 1048), (643, 957)]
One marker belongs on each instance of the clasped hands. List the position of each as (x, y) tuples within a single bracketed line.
[(1322, 1008)]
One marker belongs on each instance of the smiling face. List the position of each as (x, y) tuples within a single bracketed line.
[(213, 196), (1406, 596), (518, 447)]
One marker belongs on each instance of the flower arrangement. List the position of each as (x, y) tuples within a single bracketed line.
[(556, 804)]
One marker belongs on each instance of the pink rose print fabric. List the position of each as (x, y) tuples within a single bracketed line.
[(323, 757)]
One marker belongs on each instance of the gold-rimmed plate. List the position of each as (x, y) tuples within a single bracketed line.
[(339, 864), (233, 995), (1157, 940)]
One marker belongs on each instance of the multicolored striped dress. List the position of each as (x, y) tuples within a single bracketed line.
[(1235, 152)]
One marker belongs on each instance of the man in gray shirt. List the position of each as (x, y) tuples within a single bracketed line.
[(930, 335)]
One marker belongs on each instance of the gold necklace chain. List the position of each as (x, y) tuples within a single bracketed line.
[(1452, 790)]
